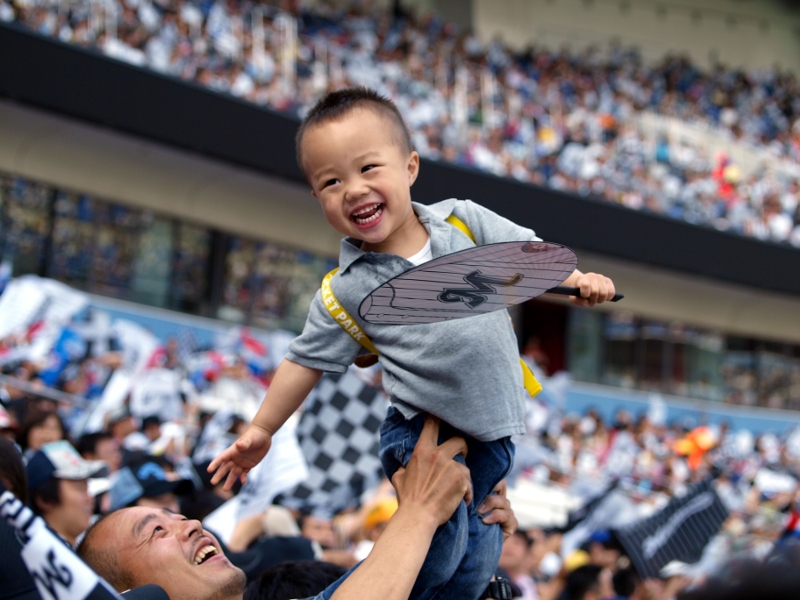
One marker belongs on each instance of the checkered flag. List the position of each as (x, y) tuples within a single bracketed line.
[(339, 434), (679, 531)]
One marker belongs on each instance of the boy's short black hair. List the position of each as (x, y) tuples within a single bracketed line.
[(336, 105)]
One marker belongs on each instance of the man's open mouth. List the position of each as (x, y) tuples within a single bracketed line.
[(367, 214), (204, 553)]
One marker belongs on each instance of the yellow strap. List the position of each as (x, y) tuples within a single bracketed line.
[(341, 316), (461, 226), (529, 380)]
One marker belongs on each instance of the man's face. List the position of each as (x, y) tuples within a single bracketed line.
[(72, 515), (163, 548), (361, 176), (108, 450), (319, 530)]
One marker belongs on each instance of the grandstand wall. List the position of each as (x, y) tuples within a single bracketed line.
[(101, 162), (107, 164), (213, 160), (754, 34)]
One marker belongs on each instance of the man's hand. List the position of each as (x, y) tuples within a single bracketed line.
[(595, 288), (241, 456), (497, 509), (432, 482)]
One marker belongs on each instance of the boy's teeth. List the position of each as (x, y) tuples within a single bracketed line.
[(203, 552), (367, 214)]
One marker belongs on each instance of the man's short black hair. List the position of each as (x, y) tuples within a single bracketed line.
[(88, 442), (582, 580), (12, 470), (47, 492), (296, 579), (336, 105)]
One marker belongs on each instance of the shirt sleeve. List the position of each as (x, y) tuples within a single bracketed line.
[(488, 227), (323, 345)]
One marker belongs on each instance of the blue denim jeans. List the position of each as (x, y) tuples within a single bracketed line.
[(464, 552)]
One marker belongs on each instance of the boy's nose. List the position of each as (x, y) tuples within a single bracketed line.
[(355, 190)]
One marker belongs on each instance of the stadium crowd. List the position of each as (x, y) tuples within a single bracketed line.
[(569, 121), (149, 449)]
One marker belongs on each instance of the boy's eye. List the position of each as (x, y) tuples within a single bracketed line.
[(330, 182), (368, 168)]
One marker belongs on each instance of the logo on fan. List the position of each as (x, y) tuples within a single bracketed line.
[(481, 287), (532, 247)]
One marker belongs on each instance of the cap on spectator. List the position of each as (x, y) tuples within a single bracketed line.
[(154, 481), (380, 513), (147, 479), (602, 536), (118, 414), (60, 460), (577, 559)]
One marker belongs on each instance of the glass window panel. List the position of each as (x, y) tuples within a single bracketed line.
[(237, 294), (654, 355), (26, 217), (73, 242), (584, 346), (190, 281), (116, 244), (305, 278), (774, 373), (739, 377), (271, 274), (152, 264), (620, 334)]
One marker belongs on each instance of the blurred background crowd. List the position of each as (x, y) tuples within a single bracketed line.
[(139, 405), (715, 148), (155, 411)]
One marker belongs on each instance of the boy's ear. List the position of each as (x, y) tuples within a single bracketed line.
[(313, 193), (413, 167)]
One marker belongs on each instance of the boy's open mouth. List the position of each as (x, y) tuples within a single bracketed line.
[(367, 214)]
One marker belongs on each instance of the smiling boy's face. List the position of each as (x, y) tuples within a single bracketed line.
[(362, 177)]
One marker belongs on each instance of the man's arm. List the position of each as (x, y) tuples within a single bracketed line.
[(429, 490)]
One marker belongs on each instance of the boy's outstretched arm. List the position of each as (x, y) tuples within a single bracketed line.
[(290, 386), (595, 288)]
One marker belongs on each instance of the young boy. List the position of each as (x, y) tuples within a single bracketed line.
[(356, 152)]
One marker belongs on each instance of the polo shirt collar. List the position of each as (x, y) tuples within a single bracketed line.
[(431, 217)]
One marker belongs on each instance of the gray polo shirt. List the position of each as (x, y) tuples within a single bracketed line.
[(465, 371)]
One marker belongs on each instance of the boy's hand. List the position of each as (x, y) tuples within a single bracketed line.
[(595, 288), (241, 456)]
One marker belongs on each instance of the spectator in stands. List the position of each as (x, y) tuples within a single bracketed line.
[(57, 482), (17, 584), (589, 582), (136, 546), (604, 550), (516, 561), (38, 429), (101, 446), (147, 484), (318, 528), (8, 425)]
